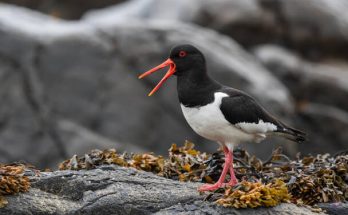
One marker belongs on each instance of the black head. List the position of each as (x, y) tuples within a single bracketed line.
[(185, 61), (186, 57)]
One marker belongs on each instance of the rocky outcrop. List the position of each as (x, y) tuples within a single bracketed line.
[(118, 190)]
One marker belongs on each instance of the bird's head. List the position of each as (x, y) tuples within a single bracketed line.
[(186, 57), (181, 61)]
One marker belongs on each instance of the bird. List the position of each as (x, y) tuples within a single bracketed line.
[(216, 112)]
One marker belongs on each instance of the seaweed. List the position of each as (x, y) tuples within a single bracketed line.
[(305, 181), (250, 194), (12, 181), (184, 163), (310, 180)]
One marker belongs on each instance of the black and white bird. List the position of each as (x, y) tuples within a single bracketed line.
[(216, 112)]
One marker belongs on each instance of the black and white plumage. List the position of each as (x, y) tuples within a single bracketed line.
[(232, 115), (216, 112)]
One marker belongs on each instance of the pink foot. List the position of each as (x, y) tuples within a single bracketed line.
[(227, 167), (211, 187)]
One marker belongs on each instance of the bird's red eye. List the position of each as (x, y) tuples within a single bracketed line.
[(182, 54)]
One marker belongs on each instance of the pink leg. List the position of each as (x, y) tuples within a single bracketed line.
[(233, 181), (220, 182)]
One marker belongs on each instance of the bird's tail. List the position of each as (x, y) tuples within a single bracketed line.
[(291, 134)]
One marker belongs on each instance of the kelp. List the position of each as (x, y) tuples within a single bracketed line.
[(93, 159), (255, 194), (3, 201), (308, 180), (183, 163), (12, 181)]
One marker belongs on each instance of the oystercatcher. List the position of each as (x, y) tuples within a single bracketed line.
[(217, 112)]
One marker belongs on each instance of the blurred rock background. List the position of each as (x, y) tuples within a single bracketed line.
[(68, 72)]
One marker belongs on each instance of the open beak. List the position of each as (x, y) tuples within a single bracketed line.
[(170, 72)]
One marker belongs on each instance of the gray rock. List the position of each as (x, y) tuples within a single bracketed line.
[(83, 139), (325, 83), (322, 123), (316, 19), (199, 207), (308, 26), (335, 208), (321, 92), (238, 19), (63, 8), (85, 72), (118, 190), (219, 13)]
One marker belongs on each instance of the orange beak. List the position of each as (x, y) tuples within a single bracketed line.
[(170, 72)]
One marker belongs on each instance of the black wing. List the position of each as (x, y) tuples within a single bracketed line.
[(242, 108)]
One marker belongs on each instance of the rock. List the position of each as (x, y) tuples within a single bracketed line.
[(63, 8), (320, 91), (85, 72), (335, 208), (313, 27), (118, 190), (238, 19), (307, 81), (322, 123), (83, 139), (200, 207), (220, 13)]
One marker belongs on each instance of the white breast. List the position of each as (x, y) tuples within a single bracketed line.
[(209, 122)]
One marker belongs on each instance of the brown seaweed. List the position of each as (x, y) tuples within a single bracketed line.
[(12, 181), (309, 180)]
